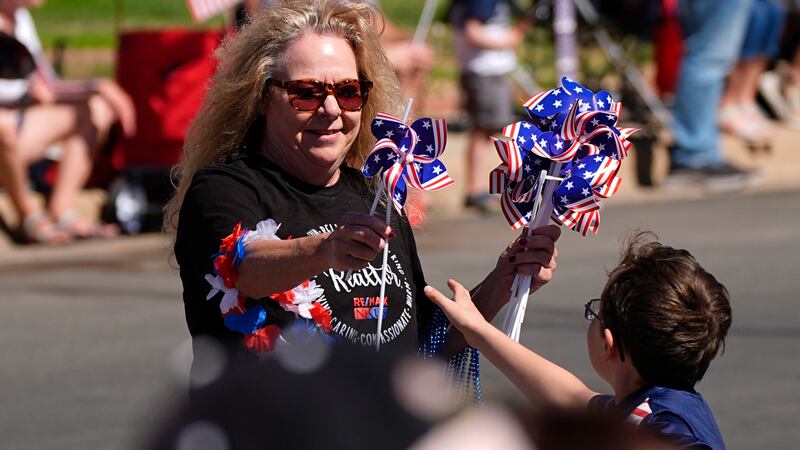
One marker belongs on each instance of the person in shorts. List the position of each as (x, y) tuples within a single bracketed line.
[(484, 41)]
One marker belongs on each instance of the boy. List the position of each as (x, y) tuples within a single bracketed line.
[(659, 322)]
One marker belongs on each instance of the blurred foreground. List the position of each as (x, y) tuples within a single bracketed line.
[(95, 346)]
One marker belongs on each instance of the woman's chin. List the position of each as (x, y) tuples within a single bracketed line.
[(329, 148)]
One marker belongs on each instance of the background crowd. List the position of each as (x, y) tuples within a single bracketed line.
[(722, 66), (729, 66)]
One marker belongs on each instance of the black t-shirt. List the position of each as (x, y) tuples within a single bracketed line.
[(248, 189)]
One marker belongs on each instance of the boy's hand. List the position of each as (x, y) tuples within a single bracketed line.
[(460, 310), (534, 255)]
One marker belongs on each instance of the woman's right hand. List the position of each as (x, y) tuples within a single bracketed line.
[(357, 241)]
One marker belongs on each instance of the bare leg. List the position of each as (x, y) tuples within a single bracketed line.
[(80, 127), (75, 165), (736, 84), (13, 171), (749, 72)]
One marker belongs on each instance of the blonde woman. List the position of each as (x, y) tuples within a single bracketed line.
[(275, 148)]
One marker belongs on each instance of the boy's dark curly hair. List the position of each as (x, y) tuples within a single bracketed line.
[(670, 314)]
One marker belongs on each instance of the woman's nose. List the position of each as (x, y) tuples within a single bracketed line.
[(330, 107)]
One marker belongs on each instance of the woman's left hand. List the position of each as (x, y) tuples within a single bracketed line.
[(534, 255)]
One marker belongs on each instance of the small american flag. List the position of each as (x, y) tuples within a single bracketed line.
[(202, 10)]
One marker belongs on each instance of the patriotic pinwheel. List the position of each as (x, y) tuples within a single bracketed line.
[(404, 156), (515, 179), (576, 200), (572, 133), (568, 125), (407, 156)]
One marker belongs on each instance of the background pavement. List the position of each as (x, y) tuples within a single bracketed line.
[(94, 343)]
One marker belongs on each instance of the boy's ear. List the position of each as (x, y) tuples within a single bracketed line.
[(610, 351)]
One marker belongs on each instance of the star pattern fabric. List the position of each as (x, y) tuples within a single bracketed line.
[(407, 156), (576, 128)]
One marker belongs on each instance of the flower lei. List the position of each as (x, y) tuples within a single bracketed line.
[(250, 320)]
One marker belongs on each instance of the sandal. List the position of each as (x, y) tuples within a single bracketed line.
[(37, 228), (78, 228)]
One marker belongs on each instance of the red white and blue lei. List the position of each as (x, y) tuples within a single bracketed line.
[(249, 318)]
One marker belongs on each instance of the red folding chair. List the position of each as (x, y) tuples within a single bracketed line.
[(166, 72)]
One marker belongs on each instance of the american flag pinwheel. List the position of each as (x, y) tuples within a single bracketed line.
[(407, 156), (567, 126), (515, 180), (576, 200)]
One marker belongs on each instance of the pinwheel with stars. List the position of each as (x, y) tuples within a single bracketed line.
[(572, 138), (568, 125), (407, 156)]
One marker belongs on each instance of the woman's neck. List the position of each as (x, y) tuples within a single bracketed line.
[(317, 178)]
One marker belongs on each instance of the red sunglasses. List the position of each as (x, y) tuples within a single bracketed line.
[(309, 95)]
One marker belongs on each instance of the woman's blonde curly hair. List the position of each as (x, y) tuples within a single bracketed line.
[(247, 59)]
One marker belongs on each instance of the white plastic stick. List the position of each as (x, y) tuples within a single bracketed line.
[(543, 205), (375, 200), (385, 264), (522, 282), (425, 20)]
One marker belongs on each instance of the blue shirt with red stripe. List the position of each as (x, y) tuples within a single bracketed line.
[(682, 416)]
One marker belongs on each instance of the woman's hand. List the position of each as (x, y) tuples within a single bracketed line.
[(461, 311), (356, 242), (534, 255)]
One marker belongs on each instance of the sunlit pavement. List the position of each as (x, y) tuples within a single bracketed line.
[(92, 332)]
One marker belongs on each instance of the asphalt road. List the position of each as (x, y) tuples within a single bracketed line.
[(93, 350)]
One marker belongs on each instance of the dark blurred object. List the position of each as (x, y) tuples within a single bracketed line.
[(136, 199), (166, 72), (583, 429), (15, 59), (347, 404), (634, 17), (636, 114), (59, 55)]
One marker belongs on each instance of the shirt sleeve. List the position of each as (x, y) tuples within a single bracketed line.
[(215, 202), (674, 429), (600, 404)]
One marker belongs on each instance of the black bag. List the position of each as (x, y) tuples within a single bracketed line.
[(15, 59)]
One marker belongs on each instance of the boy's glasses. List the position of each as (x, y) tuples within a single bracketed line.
[(590, 314), (309, 95)]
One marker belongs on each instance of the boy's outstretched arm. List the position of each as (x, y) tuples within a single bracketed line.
[(544, 383), (533, 255)]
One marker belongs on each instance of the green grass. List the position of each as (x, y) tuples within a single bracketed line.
[(94, 23)]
